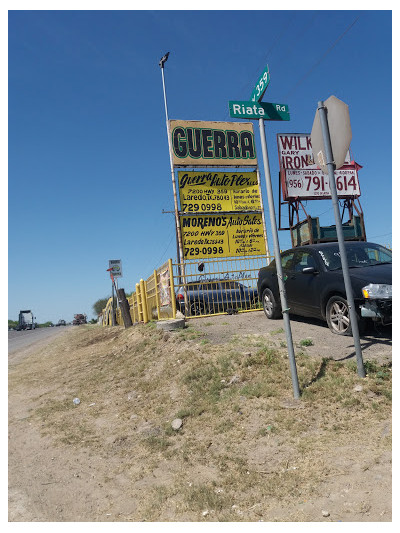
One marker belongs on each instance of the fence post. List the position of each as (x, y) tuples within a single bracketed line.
[(157, 294), (144, 301), (172, 288), (139, 303), (124, 308), (135, 308)]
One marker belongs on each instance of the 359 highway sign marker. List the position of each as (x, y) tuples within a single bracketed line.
[(261, 85)]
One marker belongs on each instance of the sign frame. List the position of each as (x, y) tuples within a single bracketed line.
[(116, 265)]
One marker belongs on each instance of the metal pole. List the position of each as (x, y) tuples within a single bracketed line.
[(343, 257), (263, 217), (178, 227), (277, 255), (112, 305), (116, 291)]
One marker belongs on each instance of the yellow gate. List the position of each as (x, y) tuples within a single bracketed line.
[(218, 286)]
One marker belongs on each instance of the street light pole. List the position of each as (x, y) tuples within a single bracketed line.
[(179, 251), (178, 229)]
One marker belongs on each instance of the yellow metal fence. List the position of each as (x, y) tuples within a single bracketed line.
[(153, 298), (195, 288)]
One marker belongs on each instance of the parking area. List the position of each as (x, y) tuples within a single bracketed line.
[(310, 336)]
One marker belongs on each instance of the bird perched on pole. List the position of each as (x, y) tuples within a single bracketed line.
[(163, 60)]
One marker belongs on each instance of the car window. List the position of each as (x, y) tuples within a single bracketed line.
[(303, 260), (359, 255), (229, 284), (287, 261), (379, 254), (210, 286)]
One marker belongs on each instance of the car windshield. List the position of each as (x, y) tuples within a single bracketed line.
[(359, 255)]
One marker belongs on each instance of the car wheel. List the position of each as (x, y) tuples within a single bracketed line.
[(271, 308), (338, 317), (197, 308)]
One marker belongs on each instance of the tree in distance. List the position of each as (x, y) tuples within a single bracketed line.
[(100, 305)]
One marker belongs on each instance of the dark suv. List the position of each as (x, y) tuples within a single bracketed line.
[(315, 287), (216, 296)]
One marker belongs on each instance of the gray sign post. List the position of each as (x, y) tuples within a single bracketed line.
[(253, 110), (277, 255), (330, 165)]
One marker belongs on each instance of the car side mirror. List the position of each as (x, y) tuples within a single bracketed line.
[(309, 270)]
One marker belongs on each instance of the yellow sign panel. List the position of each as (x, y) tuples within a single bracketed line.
[(198, 143), (225, 235), (202, 192)]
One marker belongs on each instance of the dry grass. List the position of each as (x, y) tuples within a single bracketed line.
[(244, 447)]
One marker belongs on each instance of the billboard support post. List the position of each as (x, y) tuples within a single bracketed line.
[(282, 291), (343, 257)]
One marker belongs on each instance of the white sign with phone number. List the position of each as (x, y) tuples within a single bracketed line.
[(305, 183)]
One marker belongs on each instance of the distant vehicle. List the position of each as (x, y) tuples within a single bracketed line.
[(25, 320), (61, 323), (216, 296), (79, 319), (315, 287)]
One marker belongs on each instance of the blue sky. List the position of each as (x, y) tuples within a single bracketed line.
[(88, 161)]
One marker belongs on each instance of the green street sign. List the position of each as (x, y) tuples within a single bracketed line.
[(256, 110), (261, 85)]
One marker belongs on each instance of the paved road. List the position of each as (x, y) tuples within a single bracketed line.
[(22, 341)]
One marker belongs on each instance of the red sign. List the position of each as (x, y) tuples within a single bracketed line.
[(302, 179)]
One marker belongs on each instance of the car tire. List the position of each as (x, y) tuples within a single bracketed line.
[(197, 308), (271, 308), (338, 317)]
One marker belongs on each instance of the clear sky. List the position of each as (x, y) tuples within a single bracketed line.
[(88, 161)]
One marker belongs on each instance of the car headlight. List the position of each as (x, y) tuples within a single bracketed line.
[(377, 290)]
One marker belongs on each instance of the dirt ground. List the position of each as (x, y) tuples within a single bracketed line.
[(376, 344), (246, 452)]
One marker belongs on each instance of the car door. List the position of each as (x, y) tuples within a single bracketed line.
[(234, 295), (287, 259), (302, 288), (211, 292)]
